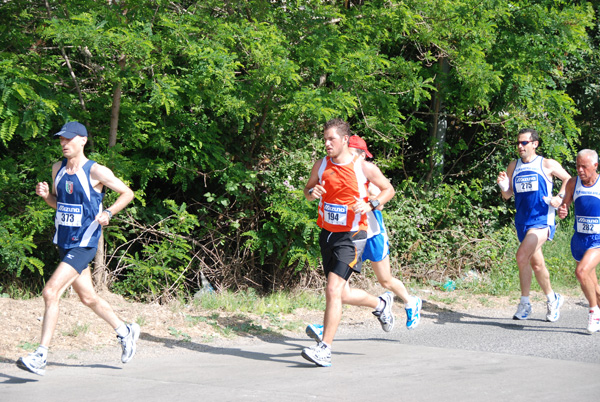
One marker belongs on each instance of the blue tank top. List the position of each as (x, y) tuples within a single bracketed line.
[(587, 207), (530, 186), (77, 204)]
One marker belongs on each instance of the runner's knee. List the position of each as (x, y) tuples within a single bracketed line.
[(386, 283), (89, 300), (50, 295)]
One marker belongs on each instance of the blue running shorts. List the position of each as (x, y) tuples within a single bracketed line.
[(378, 246), (523, 229), (79, 258), (580, 243)]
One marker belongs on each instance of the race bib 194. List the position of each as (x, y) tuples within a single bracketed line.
[(69, 214), (336, 214), (588, 225), (524, 184)]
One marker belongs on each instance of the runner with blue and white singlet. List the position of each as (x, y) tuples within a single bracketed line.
[(529, 179), (531, 186), (377, 249), (76, 226), (76, 194), (584, 192)]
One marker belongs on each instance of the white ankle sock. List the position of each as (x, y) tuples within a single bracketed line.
[(380, 305), (551, 296), (122, 330), (525, 299), (42, 350), (412, 302)]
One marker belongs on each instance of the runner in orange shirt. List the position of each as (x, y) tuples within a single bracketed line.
[(339, 181)]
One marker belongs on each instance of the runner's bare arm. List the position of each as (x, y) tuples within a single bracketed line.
[(507, 176), (313, 189), (45, 191), (374, 175), (563, 209), (556, 170), (106, 177)]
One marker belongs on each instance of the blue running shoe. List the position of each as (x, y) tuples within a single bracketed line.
[(315, 332), (413, 315)]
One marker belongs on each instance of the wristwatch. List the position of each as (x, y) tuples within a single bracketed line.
[(108, 213), (374, 204)]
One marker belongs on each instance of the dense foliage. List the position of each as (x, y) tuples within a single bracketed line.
[(212, 112)]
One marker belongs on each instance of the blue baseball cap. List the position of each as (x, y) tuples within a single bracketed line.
[(72, 129)]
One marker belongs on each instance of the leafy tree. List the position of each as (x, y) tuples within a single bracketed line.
[(212, 111)]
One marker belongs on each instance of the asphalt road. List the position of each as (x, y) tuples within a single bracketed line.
[(450, 357)]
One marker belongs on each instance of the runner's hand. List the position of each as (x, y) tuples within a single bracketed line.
[(361, 206), (102, 218), (502, 181), (563, 211), (42, 189), (318, 190)]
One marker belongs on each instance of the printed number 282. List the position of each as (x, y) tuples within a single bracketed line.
[(587, 227)]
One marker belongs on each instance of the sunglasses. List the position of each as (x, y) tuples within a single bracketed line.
[(524, 143)]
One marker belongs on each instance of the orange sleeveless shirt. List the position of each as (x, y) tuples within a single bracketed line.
[(342, 183)]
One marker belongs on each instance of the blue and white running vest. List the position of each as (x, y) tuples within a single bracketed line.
[(587, 207), (530, 186), (77, 204)]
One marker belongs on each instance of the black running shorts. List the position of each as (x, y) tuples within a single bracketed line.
[(342, 252)]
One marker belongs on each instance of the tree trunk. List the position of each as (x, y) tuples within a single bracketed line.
[(439, 125), (100, 272), (116, 107), (100, 268)]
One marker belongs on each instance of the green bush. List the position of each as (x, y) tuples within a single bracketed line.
[(160, 269), (445, 232)]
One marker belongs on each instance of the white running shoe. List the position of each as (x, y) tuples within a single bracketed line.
[(554, 308), (523, 311), (34, 363), (319, 354), (128, 342), (315, 332), (385, 316), (593, 322)]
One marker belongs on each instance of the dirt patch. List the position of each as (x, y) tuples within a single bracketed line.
[(79, 331), (176, 328)]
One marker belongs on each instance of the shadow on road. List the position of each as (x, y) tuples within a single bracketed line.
[(443, 317)]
